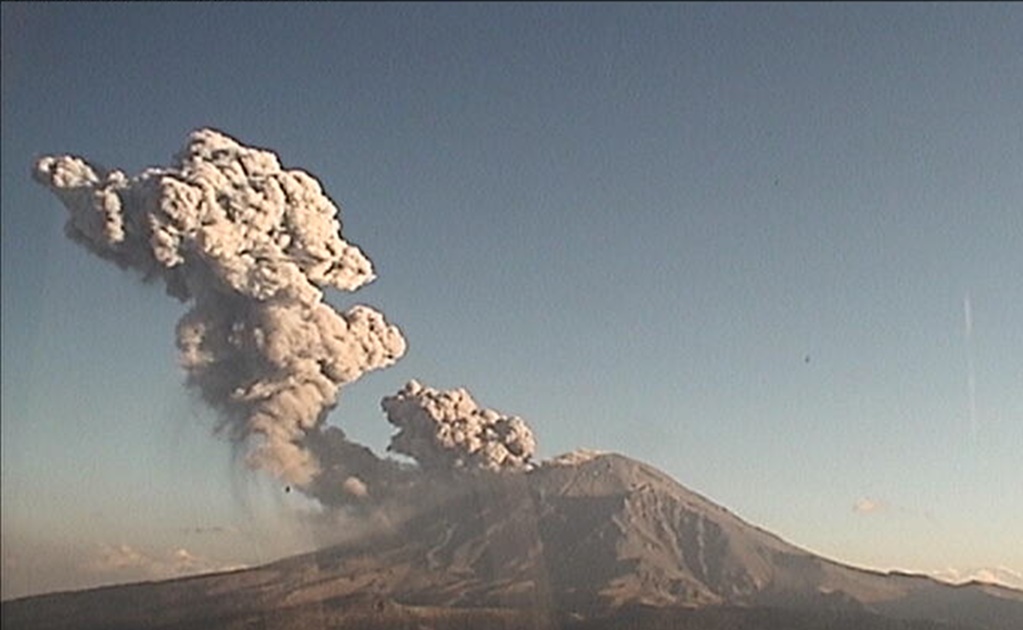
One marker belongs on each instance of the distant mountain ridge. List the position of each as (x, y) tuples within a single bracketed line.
[(578, 542)]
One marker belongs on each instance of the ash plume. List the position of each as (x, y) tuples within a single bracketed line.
[(249, 245), (447, 429), (443, 431)]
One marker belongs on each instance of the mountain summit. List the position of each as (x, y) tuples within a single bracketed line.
[(586, 540)]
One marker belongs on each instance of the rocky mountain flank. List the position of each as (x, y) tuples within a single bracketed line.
[(586, 540)]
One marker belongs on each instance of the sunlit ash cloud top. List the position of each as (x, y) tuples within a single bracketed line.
[(447, 429), (249, 245)]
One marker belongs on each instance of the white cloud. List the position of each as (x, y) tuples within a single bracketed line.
[(866, 505), (127, 562), (870, 506)]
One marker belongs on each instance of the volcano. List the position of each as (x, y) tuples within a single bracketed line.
[(586, 540)]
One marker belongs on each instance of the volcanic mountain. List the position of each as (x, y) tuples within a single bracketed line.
[(583, 541)]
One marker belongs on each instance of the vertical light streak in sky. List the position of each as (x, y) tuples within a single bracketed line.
[(971, 377)]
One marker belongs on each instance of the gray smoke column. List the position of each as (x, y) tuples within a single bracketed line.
[(249, 245), (447, 429)]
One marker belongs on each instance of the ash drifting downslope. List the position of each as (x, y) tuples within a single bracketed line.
[(573, 541)]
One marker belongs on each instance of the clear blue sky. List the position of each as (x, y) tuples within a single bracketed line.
[(630, 224)]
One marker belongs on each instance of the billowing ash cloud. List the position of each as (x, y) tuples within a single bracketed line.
[(249, 245), (446, 429)]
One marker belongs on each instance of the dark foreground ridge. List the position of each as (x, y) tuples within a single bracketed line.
[(582, 542)]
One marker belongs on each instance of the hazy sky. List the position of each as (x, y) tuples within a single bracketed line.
[(743, 243)]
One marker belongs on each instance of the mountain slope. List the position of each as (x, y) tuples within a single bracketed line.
[(579, 540), (681, 549)]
